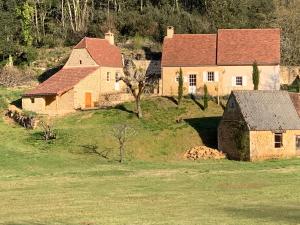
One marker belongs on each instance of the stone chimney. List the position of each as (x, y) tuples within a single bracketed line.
[(110, 37), (170, 32)]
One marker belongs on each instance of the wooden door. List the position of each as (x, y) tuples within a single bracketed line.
[(88, 100)]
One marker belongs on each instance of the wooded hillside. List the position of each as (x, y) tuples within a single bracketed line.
[(30, 24)]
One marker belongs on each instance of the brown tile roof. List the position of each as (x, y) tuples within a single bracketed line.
[(229, 47), (62, 81), (102, 52), (296, 101), (189, 50), (244, 46)]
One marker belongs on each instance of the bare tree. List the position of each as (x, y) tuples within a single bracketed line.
[(78, 12), (122, 133), (137, 80), (48, 132)]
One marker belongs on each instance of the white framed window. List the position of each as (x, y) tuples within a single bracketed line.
[(211, 76), (278, 140), (192, 80), (239, 81), (108, 77)]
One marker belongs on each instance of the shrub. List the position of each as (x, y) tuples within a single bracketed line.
[(205, 98), (180, 87)]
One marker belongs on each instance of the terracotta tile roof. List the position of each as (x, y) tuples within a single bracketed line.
[(102, 52), (189, 50), (244, 46), (296, 101), (61, 82)]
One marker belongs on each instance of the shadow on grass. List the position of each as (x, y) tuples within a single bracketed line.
[(197, 102), (93, 149), (17, 103), (48, 73), (207, 129), (123, 108), (171, 98), (276, 214)]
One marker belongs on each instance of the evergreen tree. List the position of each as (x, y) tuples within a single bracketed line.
[(205, 98), (255, 76), (180, 87)]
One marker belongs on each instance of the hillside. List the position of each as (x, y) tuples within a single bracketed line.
[(158, 137)]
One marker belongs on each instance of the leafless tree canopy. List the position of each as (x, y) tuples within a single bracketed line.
[(137, 80), (123, 132)]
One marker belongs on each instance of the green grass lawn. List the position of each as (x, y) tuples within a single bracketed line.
[(58, 182)]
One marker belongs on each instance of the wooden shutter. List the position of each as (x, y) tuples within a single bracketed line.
[(244, 80), (217, 76), (205, 76), (233, 81)]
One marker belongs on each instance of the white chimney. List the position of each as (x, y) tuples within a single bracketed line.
[(109, 36), (170, 32)]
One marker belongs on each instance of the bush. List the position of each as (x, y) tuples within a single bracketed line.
[(205, 98)]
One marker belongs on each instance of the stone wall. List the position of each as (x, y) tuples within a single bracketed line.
[(79, 58), (228, 130), (262, 145), (269, 79), (288, 74)]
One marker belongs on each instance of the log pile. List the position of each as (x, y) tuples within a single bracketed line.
[(29, 122), (203, 152)]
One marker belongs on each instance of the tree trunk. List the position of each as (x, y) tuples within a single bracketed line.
[(121, 152), (138, 107), (62, 14)]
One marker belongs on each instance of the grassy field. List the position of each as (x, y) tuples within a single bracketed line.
[(60, 182)]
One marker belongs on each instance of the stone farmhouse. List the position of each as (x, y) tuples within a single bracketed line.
[(90, 72), (259, 125), (222, 61)]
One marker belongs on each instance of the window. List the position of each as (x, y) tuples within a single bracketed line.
[(298, 142), (192, 80), (239, 81), (177, 77), (108, 77), (211, 76), (32, 100), (80, 62), (278, 140)]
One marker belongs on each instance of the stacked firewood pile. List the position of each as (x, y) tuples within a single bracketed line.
[(29, 122), (203, 152)]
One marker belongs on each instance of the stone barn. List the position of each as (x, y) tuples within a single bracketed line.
[(259, 125)]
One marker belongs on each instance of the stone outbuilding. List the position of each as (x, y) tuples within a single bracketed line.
[(259, 125), (90, 74)]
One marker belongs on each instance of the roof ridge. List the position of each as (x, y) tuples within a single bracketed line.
[(276, 28), (194, 34)]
